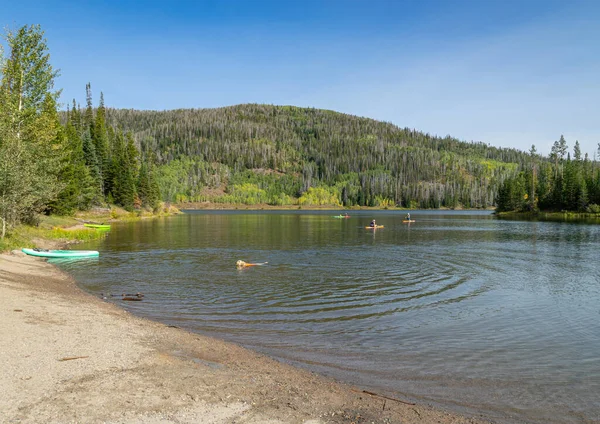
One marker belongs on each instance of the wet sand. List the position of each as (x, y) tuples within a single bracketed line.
[(69, 357)]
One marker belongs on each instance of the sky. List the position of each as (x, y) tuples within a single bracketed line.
[(503, 72)]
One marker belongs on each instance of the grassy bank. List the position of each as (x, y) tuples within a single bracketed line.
[(48, 234), (59, 231), (565, 216)]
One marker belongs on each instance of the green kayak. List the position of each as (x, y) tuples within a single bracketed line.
[(98, 226), (60, 253)]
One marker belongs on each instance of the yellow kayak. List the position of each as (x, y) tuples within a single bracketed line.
[(373, 228), (408, 220)]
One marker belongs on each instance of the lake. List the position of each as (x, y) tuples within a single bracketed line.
[(459, 309)]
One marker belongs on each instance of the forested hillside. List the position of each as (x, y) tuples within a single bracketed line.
[(284, 155)]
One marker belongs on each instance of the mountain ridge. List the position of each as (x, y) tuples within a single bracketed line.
[(359, 160)]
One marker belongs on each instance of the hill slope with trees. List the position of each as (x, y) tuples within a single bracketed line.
[(283, 155)]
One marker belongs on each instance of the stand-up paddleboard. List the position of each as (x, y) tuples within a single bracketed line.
[(60, 253)]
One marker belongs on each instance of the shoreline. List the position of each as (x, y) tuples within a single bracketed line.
[(259, 207), (72, 357)]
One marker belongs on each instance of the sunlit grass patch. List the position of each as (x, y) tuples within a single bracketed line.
[(57, 221), (26, 236), (13, 240), (58, 233)]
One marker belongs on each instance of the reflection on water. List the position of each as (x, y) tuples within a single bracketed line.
[(553, 217), (77, 261), (458, 309)]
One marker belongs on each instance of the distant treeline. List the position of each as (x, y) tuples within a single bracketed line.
[(557, 183)]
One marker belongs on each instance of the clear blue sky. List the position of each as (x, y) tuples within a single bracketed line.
[(508, 73)]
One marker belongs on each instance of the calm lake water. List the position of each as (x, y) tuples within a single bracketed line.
[(458, 309)]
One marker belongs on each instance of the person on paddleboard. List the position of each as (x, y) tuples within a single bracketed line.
[(408, 216), (373, 224)]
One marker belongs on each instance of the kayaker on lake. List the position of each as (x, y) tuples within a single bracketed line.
[(408, 216), (373, 224)]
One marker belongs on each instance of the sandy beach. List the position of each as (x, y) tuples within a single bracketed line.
[(69, 357)]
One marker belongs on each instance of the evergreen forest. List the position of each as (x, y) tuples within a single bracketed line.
[(285, 155), (50, 164), (57, 161), (560, 182)]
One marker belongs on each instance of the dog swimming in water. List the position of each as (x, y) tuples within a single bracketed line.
[(241, 264)]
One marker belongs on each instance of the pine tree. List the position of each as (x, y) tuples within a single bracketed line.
[(132, 154), (75, 117), (532, 199), (153, 199), (29, 128), (562, 150), (89, 111), (577, 151), (80, 189), (123, 183), (91, 161), (101, 144), (554, 157), (143, 184)]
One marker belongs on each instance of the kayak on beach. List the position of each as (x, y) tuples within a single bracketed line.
[(98, 226), (44, 253)]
